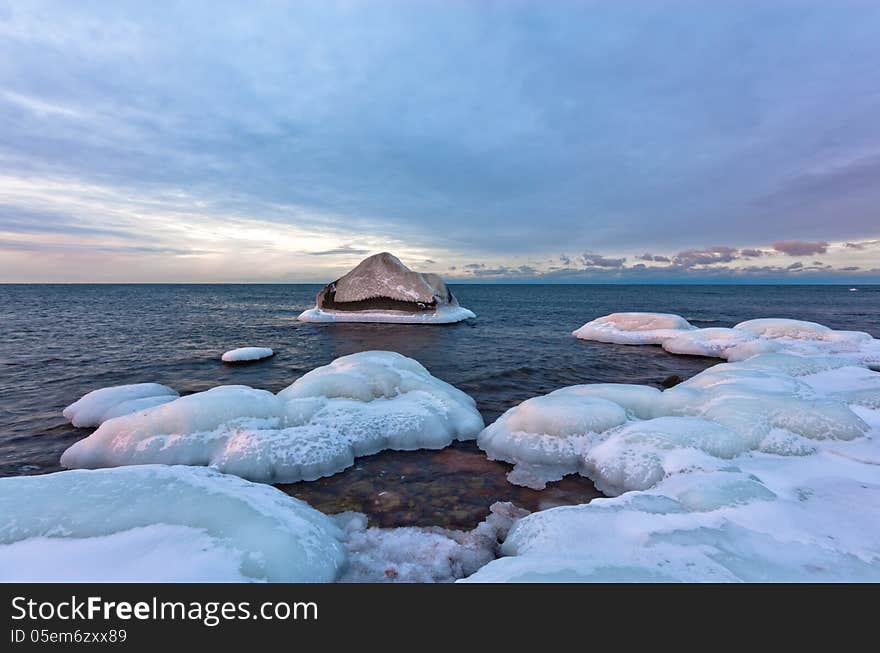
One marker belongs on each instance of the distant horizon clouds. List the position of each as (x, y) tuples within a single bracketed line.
[(486, 141)]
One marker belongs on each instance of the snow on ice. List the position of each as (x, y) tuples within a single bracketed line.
[(161, 524), (750, 338), (758, 470), (100, 405), (246, 354), (356, 406)]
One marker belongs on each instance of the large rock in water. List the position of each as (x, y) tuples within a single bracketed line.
[(382, 289)]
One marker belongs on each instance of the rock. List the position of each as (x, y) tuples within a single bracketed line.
[(382, 289), (671, 381)]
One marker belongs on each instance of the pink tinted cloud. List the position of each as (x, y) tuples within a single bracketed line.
[(800, 247)]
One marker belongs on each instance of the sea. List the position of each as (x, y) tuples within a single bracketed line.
[(58, 342)]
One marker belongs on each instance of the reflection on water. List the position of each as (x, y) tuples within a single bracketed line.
[(453, 488)]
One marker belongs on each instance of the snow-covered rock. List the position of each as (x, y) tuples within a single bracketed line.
[(98, 406), (382, 289), (156, 523), (750, 338), (246, 354), (357, 405), (760, 470)]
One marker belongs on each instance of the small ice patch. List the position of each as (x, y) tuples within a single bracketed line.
[(245, 354), (161, 524), (98, 406), (356, 406)]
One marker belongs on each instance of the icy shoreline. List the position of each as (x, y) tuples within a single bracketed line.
[(760, 469)]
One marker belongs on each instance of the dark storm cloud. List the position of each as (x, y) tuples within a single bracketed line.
[(492, 129)]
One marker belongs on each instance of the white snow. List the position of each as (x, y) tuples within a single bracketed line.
[(98, 406), (446, 314), (750, 338), (760, 470), (161, 524), (243, 354), (357, 405)]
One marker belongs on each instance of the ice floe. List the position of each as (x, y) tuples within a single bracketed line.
[(634, 328), (161, 523), (98, 406), (382, 289), (357, 405), (246, 354), (759, 470), (746, 339)]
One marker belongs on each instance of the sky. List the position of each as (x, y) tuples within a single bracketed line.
[(544, 141)]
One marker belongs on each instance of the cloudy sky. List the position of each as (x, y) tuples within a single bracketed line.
[(528, 141)]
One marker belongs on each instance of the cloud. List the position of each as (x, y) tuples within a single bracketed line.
[(342, 249), (800, 247), (751, 253), (591, 260), (264, 138), (709, 256), (653, 257)]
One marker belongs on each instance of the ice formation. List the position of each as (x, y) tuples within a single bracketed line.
[(422, 555), (382, 289), (750, 338), (356, 406), (634, 328), (160, 523), (759, 470), (246, 354), (100, 405)]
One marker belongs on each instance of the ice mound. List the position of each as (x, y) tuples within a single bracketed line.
[(634, 328), (246, 354), (759, 470), (98, 406), (156, 523), (382, 289), (750, 338), (631, 437), (735, 530), (356, 406)]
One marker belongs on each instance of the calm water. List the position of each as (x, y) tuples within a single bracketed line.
[(58, 342)]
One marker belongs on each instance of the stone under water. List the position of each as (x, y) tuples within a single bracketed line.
[(451, 488)]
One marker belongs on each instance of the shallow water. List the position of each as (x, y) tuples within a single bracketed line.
[(58, 342), (452, 488)]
